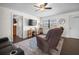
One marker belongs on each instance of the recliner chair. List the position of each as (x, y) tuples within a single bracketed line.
[(50, 41), (4, 42)]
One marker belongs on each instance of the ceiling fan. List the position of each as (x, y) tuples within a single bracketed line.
[(42, 6)]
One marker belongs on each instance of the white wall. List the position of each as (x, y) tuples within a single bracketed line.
[(66, 26), (26, 27), (0, 22), (19, 27), (6, 21)]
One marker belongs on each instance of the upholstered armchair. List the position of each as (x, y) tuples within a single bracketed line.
[(4, 42), (50, 41), (6, 47)]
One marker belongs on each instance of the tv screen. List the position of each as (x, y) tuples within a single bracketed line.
[(32, 22)]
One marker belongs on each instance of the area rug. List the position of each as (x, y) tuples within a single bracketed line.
[(30, 47)]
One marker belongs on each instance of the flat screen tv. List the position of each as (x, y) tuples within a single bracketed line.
[(32, 22)]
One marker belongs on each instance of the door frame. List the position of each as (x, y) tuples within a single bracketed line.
[(12, 25)]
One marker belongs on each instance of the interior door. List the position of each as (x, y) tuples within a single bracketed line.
[(74, 27), (14, 31)]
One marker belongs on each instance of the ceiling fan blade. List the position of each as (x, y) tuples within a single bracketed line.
[(36, 6), (48, 8), (45, 4), (37, 10)]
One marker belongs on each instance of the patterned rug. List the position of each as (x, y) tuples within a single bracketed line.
[(30, 47)]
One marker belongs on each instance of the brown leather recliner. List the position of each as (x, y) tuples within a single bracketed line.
[(50, 41)]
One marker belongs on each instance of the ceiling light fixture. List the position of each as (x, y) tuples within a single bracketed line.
[(42, 6)]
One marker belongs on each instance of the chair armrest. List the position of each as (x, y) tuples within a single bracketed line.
[(41, 37), (42, 43)]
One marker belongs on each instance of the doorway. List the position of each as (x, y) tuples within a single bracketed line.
[(17, 28), (14, 28)]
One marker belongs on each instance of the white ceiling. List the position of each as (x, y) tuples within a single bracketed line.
[(57, 8)]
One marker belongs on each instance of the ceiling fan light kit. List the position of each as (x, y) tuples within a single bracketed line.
[(42, 9)]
